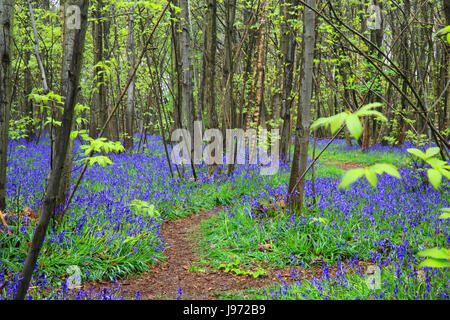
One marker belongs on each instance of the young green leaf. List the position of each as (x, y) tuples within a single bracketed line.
[(446, 213), (434, 263), (435, 253), (435, 177), (337, 121), (354, 126), (371, 176), (350, 177), (417, 153), (431, 152), (390, 169)]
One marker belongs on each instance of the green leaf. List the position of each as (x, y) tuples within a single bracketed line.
[(337, 121), (446, 213), (350, 177), (445, 173), (443, 31), (364, 109), (435, 177), (73, 135), (390, 169), (434, 263), (371, 176), (431, 152), (435, 253), (436, 163), (354, 126), (417, 153), (374, 113), (319, 123)]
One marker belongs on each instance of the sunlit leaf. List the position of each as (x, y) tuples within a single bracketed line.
[(350, 177), (354, 126), (434, 263), (435, 177), (435, 253)]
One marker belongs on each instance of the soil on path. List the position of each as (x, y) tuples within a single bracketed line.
[(345, 165)]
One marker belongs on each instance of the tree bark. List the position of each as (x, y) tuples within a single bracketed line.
[(296, 188), (74, 49), (6, 38), (210, 77), (288, 45), (130, 109)]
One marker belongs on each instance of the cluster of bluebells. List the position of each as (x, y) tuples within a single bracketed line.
[(350, 281), (100, 224), (56, 289), (386, 225)]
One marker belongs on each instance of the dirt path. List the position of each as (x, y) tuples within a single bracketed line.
[(344, 165), (163, 281)]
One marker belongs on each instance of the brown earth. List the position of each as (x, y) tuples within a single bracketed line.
[(345, 165)]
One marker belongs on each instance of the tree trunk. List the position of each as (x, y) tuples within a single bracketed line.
[(99, 106), (288, 45), (6, 34), (230, 115), (187, 106), (210, 77), (130, 110), (28, 103), (74, 49), (254, 107), (296, 187)]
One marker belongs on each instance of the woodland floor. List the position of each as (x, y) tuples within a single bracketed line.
[(163, 281)]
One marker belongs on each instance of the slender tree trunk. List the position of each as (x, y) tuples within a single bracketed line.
[(254, 107), (246, 96), (404, 55), (176, 68), (28, 103), (210, 79), (99, 100), (230, 115), (75, 51), (69, 41), (6, 38), (376, 36), (296, 188), (288, 45), (187, 109), (130, 110)]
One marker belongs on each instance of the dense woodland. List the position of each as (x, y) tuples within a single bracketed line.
[(75, 71)]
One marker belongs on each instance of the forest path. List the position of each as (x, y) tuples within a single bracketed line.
[(344, 165), (162, 281)]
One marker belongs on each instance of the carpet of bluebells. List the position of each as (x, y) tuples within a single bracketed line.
[(384, 226), (106, 238), (101, 234)]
